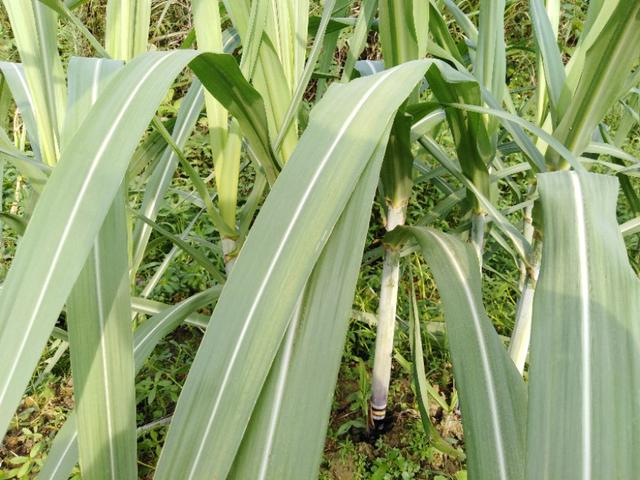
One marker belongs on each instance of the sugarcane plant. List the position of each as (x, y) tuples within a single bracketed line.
[(258, 396), (582, 314), (403, 37)]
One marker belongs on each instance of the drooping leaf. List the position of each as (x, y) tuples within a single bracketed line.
[(493, 396), (585, 347), (79, 193), (220, 74), (280, 58), (225, 143), (422, 386), (40, 279)]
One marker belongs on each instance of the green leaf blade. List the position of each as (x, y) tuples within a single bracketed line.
[(221, 76), (101, 344), (99, 315), (64, 452), (585, 353), (492, 393)]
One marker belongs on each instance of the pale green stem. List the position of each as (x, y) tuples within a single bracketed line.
[(528, 231), (161, 422), (476, 236), (228, 253), (521, 336), (13, 210), (386, 320), (519, 345)]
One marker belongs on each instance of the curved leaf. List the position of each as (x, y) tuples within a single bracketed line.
[(220, 75), (79, 191), (493, 396)]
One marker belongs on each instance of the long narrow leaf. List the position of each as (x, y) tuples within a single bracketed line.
[(492, 394), (127, 28), (34, 28), (220, 74), (607, 65), (99, 314), (490, 64), (101, 345), (225, 144), (15, 77), (585, 346), (422, 386), (549, 52)]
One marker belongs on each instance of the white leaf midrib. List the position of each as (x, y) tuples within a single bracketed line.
[(23, 83), (280, 389), (64, 453), (101, 313), (103, 358), (50, 100), (136, 347), (585, 324)]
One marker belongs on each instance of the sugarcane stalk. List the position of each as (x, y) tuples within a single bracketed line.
[(401, 41), (397, 184), (386, 320), (521, 336), (519, 345), (228, 253)]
